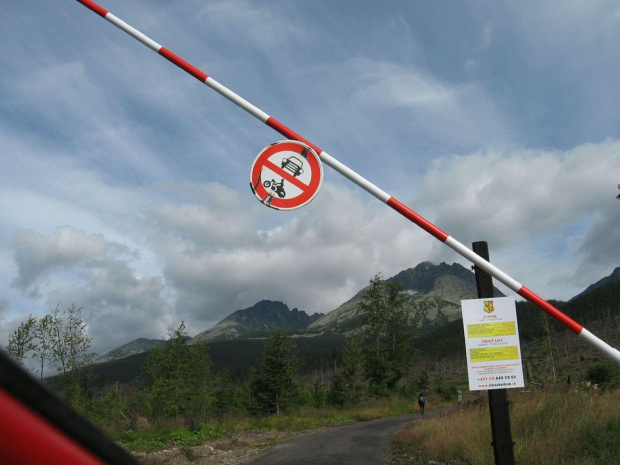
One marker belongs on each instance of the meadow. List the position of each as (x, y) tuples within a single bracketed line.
[(170, 432), (562, 428)]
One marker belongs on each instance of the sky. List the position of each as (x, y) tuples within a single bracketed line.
[(124, 181)]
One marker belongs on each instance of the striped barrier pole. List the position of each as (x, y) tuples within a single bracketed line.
[(401, 208)]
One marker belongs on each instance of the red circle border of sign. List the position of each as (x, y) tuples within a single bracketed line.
[(296, 202)]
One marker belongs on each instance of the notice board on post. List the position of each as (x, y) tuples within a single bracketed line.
[(492, 343)]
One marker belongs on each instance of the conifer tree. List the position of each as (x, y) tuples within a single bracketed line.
[(274, 385), (386, 333), (350, 383), (179, 376)]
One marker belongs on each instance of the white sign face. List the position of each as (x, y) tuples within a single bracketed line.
[(286, 175), (492, 343)]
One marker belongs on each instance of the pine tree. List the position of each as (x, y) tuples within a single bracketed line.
[(374, 308), (179, 376), (274, 385), (399, 351), (387, 333), (350, 383)]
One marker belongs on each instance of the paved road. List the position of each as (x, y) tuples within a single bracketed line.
[(359, 444)]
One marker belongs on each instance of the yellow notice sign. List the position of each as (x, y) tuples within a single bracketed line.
[(492, 343), (494, 354), (507, 328)]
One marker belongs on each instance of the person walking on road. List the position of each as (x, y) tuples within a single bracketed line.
[(421, 403)]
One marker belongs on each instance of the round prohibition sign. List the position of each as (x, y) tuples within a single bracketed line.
[(286, 175)]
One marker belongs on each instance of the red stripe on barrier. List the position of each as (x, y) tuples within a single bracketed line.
[(94, 7), (550, 310), (417, 219), (184, 65), (28, 439), (290, 134)]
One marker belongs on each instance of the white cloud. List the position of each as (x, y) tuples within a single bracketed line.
[(254, 24), (4, 307), (390, 84), (37, 255), (309, 261), (450, 114), (119, 304), (512, 196), (538, 207), (143, 171)]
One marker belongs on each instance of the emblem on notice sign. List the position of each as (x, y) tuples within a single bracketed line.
[(488, 306), (286, 175)]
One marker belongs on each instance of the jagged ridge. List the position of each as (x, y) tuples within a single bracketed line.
[(266, 315)]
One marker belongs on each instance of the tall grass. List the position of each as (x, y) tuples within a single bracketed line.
[(168, 432), (561, 428)]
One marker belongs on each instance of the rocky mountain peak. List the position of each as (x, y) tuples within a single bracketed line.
[(266, 315)]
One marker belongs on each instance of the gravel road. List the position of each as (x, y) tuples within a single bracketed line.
[(359, 444)]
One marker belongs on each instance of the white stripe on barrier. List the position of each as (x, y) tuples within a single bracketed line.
[(236, 99), (353, 176), (601, 345), (482, 263), (119, 23)]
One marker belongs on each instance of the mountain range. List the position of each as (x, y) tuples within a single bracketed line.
[(435, 294), (136, 346), (266, 315), (612, 278)]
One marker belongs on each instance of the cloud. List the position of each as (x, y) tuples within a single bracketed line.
[(309, 260), (257, 26), (549, 213), (459, 111), (401, 111), (512, 196), (602, 241), (209, 215), (37, 255), (119, 304), (124, 181), (4, 307)]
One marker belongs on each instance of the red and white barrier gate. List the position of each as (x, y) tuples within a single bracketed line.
[(429, 227)]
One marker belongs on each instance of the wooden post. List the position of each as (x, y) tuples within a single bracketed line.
[(503, 446)]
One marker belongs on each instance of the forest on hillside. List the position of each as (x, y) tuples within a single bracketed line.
[(275, 373)]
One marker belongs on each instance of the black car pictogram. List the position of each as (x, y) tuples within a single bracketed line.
[(293, 164)]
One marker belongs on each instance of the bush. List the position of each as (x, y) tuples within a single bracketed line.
[(446, 390), (605, 374)]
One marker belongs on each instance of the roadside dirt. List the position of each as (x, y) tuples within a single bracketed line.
[(235, 450)]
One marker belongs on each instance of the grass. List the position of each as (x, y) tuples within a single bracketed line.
[(564, 428), (177, 432), (168, 434)]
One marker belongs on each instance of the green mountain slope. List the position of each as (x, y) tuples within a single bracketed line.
[(600, 305), (435, 293), (236, 356), (614, 277), (435, 309), (136, 346)]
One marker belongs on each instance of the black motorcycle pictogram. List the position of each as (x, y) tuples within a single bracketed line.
[(278, 188)]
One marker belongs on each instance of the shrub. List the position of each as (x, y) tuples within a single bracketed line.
[(605, 374)]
